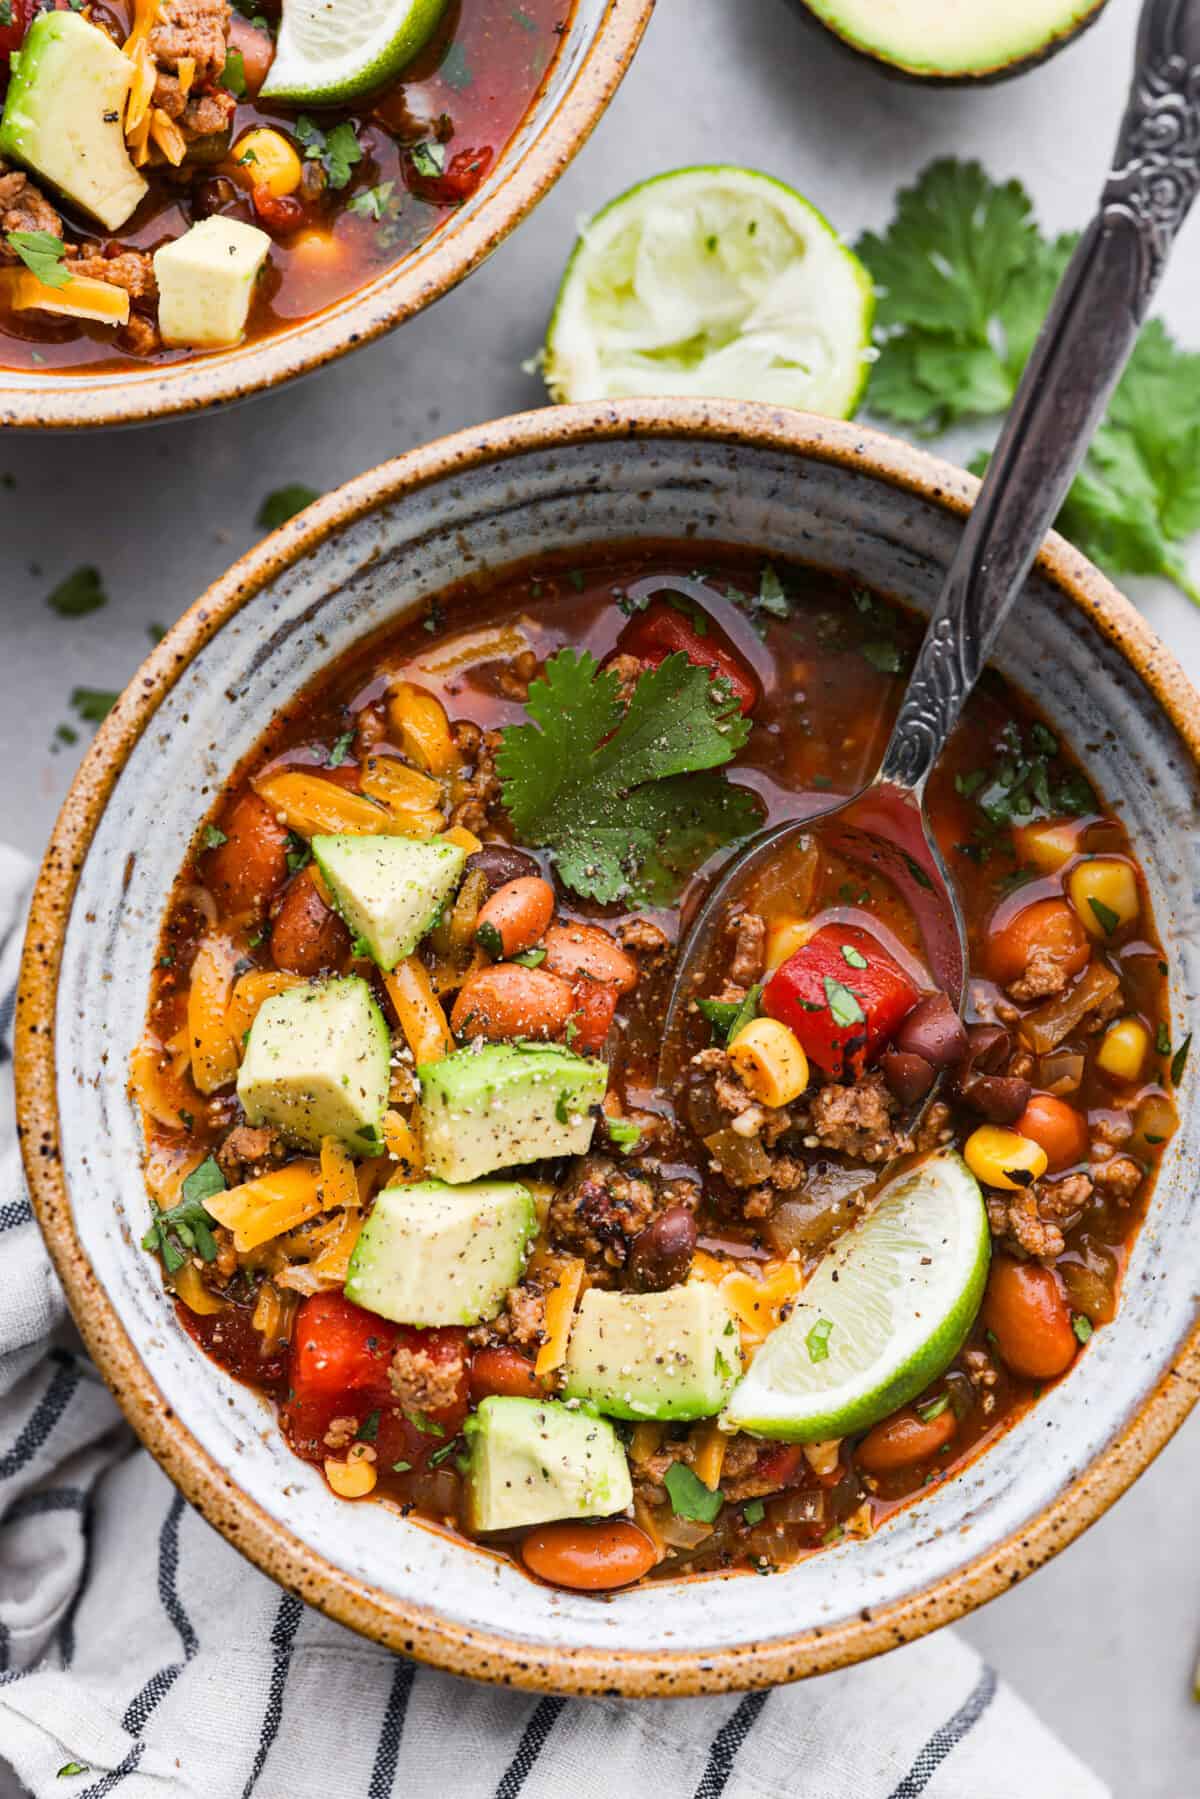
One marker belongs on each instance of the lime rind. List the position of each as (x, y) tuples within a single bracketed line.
[(714, 281), (331, 51), (890, 1308)]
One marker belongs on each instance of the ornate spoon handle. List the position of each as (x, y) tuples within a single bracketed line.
[(1079, 355)]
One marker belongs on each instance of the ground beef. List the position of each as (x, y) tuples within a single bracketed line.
[(23, 207), (1044, 976), (514, 678), (604, 1206), (983, 1375), (140, 337), (249, 1150), (341, 1433), (421, 1382), (935, 1127), (195, 29), (1120, 1177), (856, 1121), (629, 671), (1102, 1013), (716, 1098), (1110, 1130), (645, 940), (1033, 1221), (198, 113), (749, 946), (520, 1323), (477, 787), (131, 269)]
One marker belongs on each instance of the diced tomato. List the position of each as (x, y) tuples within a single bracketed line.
[(781, 1463), (592, 1015), (277, 213), (844, 997), (662, 629), (457, 181), (504, 1371), (12, 35)]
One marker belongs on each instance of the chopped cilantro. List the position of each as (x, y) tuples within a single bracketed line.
[(93, 704), (1106, 918), (299, 855), (969, 784), (754, 1511), (78, 593), (368, 1430), (522, 18), (42, 253), (401, 1467), (842, 1003), (1179, 1060), (854, 957), (340, 751), (933, 1408), (66, 734), (429, 159), (689, 1496), (817, 1340), (446, 1450), (187, 1228), (233, 75), (720, 1014), (531, 958), (284, 503), (338, 150), (213, 838), (490, 941), (1162, 1040), (376, 203), (422, 1422), (886, 657), (1082, 1326), (67, 1768), (627, 798), (156, 632)]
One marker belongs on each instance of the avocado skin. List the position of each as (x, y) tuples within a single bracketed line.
[(929, 77)]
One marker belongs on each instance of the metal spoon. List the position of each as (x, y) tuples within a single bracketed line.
[(1083, 346)]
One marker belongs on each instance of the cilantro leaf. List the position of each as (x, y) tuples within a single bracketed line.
[(188, 1227), (689, 1496), (623, 797), (338, 151), (42, 253), (429, 159), (78, 593), (233, 75), (284, 503), (93, 704)]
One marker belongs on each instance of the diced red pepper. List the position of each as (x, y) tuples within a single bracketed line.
[(844, 997), (592, 1015), (457, 181), (12, 35), (662, 629)]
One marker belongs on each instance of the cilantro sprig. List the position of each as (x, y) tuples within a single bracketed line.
[(966, 278), (627, 799), (187, 1228), (42, 253), (337, 150)]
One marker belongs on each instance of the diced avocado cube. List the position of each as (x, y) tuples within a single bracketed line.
[(432, 1254), (389, 890), (654, 1355), (504, 1104), (532, 1460), (206, 283), (317, 1064), (64, 115)]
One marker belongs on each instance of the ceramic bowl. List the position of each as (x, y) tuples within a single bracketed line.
[(596, 49), (791, 486)]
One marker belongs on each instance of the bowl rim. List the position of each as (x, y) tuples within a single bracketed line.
[(401, 1625), (152, 392)]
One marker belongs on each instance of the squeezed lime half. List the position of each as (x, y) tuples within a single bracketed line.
[(885, 1312), (331, 51), (714, 281)]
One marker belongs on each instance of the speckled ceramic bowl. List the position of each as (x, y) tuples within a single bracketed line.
[(596, 50), (789, 485)]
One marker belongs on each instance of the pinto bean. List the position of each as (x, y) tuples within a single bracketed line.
[(307, 936), (1000, 1098), (503, 1370), (661, 1255), (1027, 1313), (1058, 1127), (1048, 925), (501, 864), (934, 1031), (247, 870), (589, 1557), (509, 1000), (515, 917), (584, 949), (904, 1439), (988, 1047), (910, 1077)]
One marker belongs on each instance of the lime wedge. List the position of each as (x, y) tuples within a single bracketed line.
[(716, 281), (331, 51), (885, 1312)]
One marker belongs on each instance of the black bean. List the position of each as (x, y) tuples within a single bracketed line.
[(910, 1077), (988, 1047), (661, 1255), (1000, 1098), (934, 1031), (501, 864)]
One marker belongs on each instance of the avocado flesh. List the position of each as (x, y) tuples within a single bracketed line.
[(63, 116), (506, 1104), (534, 1460), (430, 1254), (389, 890), (317, 1064), (676, 1354), (956, 40)]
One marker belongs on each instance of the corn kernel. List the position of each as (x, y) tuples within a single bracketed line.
[(1123, 1049), (1002, 1158), (466, 840), (784, 938), (352, 1479), (1104, 892), (768, 1058), (268, 160), (1049, 844)]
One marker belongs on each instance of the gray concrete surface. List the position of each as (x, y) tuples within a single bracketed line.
[(1103, 1640)]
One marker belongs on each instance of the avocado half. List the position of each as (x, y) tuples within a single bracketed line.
[(955, 42)]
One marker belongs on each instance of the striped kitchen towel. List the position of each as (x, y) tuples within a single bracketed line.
[(141, 1656)]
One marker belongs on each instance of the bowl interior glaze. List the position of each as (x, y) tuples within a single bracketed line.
[(594, 53), (792, 487)]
